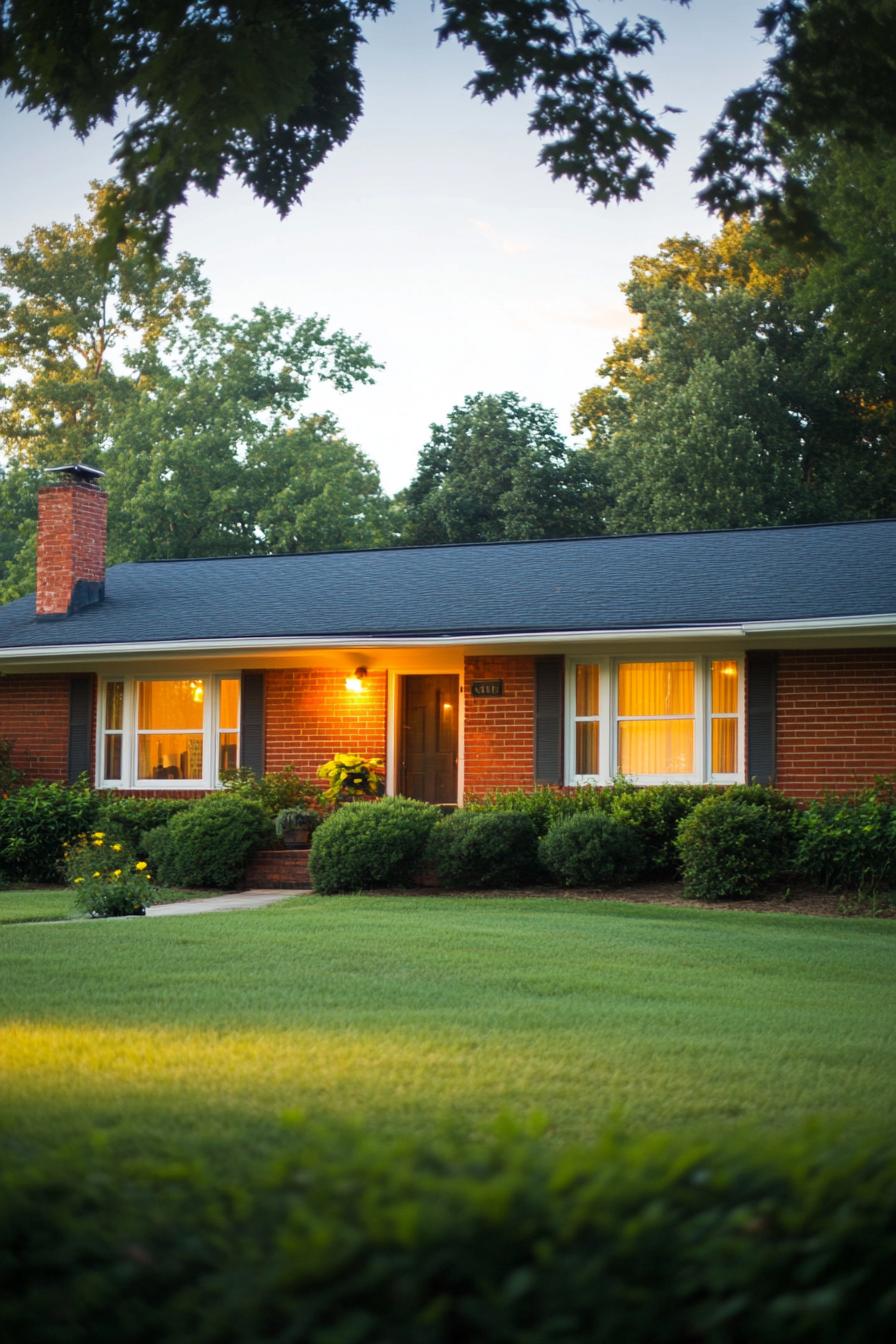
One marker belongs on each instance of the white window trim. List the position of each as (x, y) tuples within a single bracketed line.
[(609, 720), (211, 716)]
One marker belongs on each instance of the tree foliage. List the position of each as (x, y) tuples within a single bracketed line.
[(265, 89), (199, 423), (499, 470), (736, 401)]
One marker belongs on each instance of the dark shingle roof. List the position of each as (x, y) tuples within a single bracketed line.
[(603, 583)]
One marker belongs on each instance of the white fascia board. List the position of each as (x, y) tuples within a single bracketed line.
[(735, 630)]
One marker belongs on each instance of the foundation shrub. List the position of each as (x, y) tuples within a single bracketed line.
[(849, 844), (485, 849), (345, 1236), (544, 806), (655, 813), (733, 845), (593, 850), (37, 822), (209, 843), (367, 845), (130, 818), (276, 790)]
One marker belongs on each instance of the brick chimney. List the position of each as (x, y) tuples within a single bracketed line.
[(71, 542)]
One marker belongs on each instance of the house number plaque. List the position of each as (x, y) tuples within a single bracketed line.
[(484, 690)]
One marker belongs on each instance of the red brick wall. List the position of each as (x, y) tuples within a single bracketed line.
[(34, 714), (309, 715), (836, 720), (71, 543), (499, 737)]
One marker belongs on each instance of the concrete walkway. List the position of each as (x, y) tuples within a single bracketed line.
[(215, 905)]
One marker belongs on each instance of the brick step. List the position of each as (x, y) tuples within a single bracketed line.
[(278, 868)]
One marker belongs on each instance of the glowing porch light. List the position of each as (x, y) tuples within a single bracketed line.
[(356, 681)]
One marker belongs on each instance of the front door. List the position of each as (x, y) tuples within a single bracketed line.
[(428, 745)]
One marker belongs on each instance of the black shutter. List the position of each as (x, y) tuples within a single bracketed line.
[(252, 721), (762, 681), (549, 720), (80, 705)]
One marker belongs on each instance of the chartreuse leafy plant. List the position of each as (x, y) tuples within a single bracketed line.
[(108, 880), (353, 776)]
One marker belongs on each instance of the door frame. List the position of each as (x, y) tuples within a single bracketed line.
[(394, 694)]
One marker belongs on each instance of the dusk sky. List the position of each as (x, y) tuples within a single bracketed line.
[(433, 233)]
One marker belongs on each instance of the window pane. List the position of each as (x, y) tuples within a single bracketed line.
[(587, 744), (171, 704), (114, 704), (724, 688), (724, 746), (112, 756), (227, 751), (169, 756), (654, 747), (656, 688), (230, 703), (587, 690)]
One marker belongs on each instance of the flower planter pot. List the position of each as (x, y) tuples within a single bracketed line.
[(299, 838)]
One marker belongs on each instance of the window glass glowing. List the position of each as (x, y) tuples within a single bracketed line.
[(587, 748), (656, 689), (724, 746), (172, 705), (229, 710), (656, 747), (724, 688), (587, 690)]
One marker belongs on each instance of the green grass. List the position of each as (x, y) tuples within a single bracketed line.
[(34, 907), (404, 1013)]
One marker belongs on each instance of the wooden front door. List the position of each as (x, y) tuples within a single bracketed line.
[(428, 746)]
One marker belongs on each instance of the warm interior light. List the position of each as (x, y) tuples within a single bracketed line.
[(356, 682), (197, 691), (728, 670)]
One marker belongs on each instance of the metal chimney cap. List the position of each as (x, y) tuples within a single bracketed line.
[(79, 473)]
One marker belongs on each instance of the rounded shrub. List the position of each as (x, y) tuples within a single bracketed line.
[(655, 812), (129, 818), (365, 845), (592, 850), (209, 843), (734, 844), (485, 849)]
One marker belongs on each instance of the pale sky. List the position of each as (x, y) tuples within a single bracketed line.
[(433, 233)]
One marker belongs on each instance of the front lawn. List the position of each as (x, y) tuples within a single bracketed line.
[(406, 1012), (34, 907)]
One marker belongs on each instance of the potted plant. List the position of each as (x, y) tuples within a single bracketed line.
[(295, 824), (351, 777)]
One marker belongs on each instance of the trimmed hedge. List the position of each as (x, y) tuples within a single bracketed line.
[(544, 805), (130, 818), (849, 844), (209, 843), (485, 849), (365, 845), (593, 850), (37, 821), (655, 813), (735, 844), (352, 1238)]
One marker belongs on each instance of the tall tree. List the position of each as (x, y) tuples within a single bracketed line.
[(499, 470), (265, 89), (124, 365), (723, 409)]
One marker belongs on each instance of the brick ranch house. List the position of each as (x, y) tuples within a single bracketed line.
[(763, 653)]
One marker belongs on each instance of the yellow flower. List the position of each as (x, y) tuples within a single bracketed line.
[(98, 844), (149, 877), (79, 879), (140, 866), (116, 847), (99, 835), (116, 872), (97, 874)]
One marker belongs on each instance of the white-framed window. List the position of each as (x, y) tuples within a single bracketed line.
[(654, 720), (167, 732)]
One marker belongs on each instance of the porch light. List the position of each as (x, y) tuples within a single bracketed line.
[(356, 682)]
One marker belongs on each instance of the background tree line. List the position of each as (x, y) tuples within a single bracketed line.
[(756, 388)]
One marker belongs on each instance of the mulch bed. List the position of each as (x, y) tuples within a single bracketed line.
[(784, 901)]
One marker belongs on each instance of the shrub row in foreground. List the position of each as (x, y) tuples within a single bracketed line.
[(357, 1238)]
